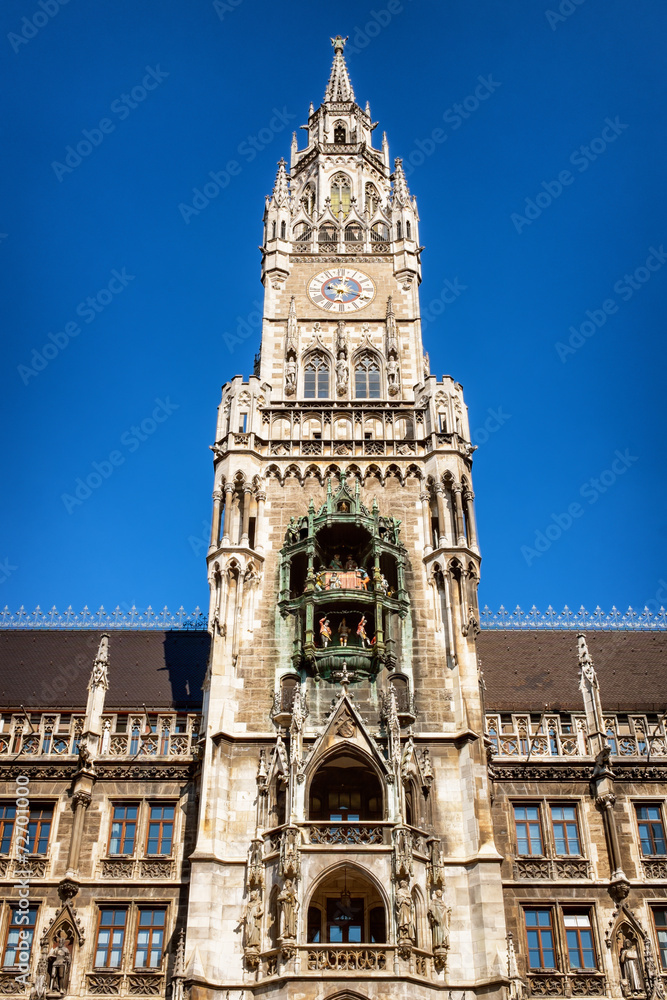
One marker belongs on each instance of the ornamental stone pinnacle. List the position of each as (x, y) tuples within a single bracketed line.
[(339, 87)]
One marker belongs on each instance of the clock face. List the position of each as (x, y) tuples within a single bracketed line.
[(341, 289)]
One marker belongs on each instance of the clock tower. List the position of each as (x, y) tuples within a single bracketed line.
[(344, 841)]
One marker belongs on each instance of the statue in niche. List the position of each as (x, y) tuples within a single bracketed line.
[(631, 968), (438, 918), (342, 376), (350, 564), (290, 377), (252, 919), (336, 562), (289, 907), (405, 915), (325, 631), (343, 632), (58, 964), (341, 340), (392, 372)]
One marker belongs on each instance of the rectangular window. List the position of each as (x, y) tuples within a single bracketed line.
[(660, 921), (7, 817), (579, 937), (528, 830), (123, 829), (19, 936), (39, 828), (160, 830), (110, 938), (150, 938), (345, 924), (540, 935), (651, 830), (566, 829)]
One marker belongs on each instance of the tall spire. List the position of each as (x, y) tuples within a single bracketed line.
[(339, 87)]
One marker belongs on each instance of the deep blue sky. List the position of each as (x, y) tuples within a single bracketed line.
[(555, 84)]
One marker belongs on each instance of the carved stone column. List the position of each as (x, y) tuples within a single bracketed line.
[(457, 490), (215, 522), (229, 493), (469, 497), (260, 496), (426, 515), (247, 493), (440, 500), (81, 799)]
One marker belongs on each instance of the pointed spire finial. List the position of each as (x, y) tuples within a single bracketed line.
[(281, 187), (99, 674), (339, 87), (401, 193), (585, 662)]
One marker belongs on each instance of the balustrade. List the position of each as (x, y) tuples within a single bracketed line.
[(553, 736)]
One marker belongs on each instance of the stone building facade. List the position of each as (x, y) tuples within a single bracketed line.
[(345, 785)]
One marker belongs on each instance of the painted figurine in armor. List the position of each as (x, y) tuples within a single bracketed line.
[(325, 631), (343, 632)]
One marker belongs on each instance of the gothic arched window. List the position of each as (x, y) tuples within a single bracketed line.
[(399, 231), (308, 199), (367, 377), (354, 233), (328, 234), (408, 231), (372, 199), (341, 193), (379, 233), (273, 230), (340, 136), (283, 230), (316, 378), (302, 232)]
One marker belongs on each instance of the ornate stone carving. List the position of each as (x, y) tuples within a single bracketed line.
[(144, 984), (337, 834), (402, 860), (347, 959), (532, 869), (104, 984), (156, 869), (116, 868), (290, 855), (255, 875)]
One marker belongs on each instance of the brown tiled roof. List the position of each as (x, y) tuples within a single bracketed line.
[(533, 669), (44, 668)]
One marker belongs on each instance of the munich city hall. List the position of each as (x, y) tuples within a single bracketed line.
[(346, 781)]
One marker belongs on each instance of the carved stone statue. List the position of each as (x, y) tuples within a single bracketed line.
[(252, 918), (438, 918), (392, 371), (290, 377), (341, 340), (288, 903), (405, 917), (342, 375), (631, 968), (59, 963)]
